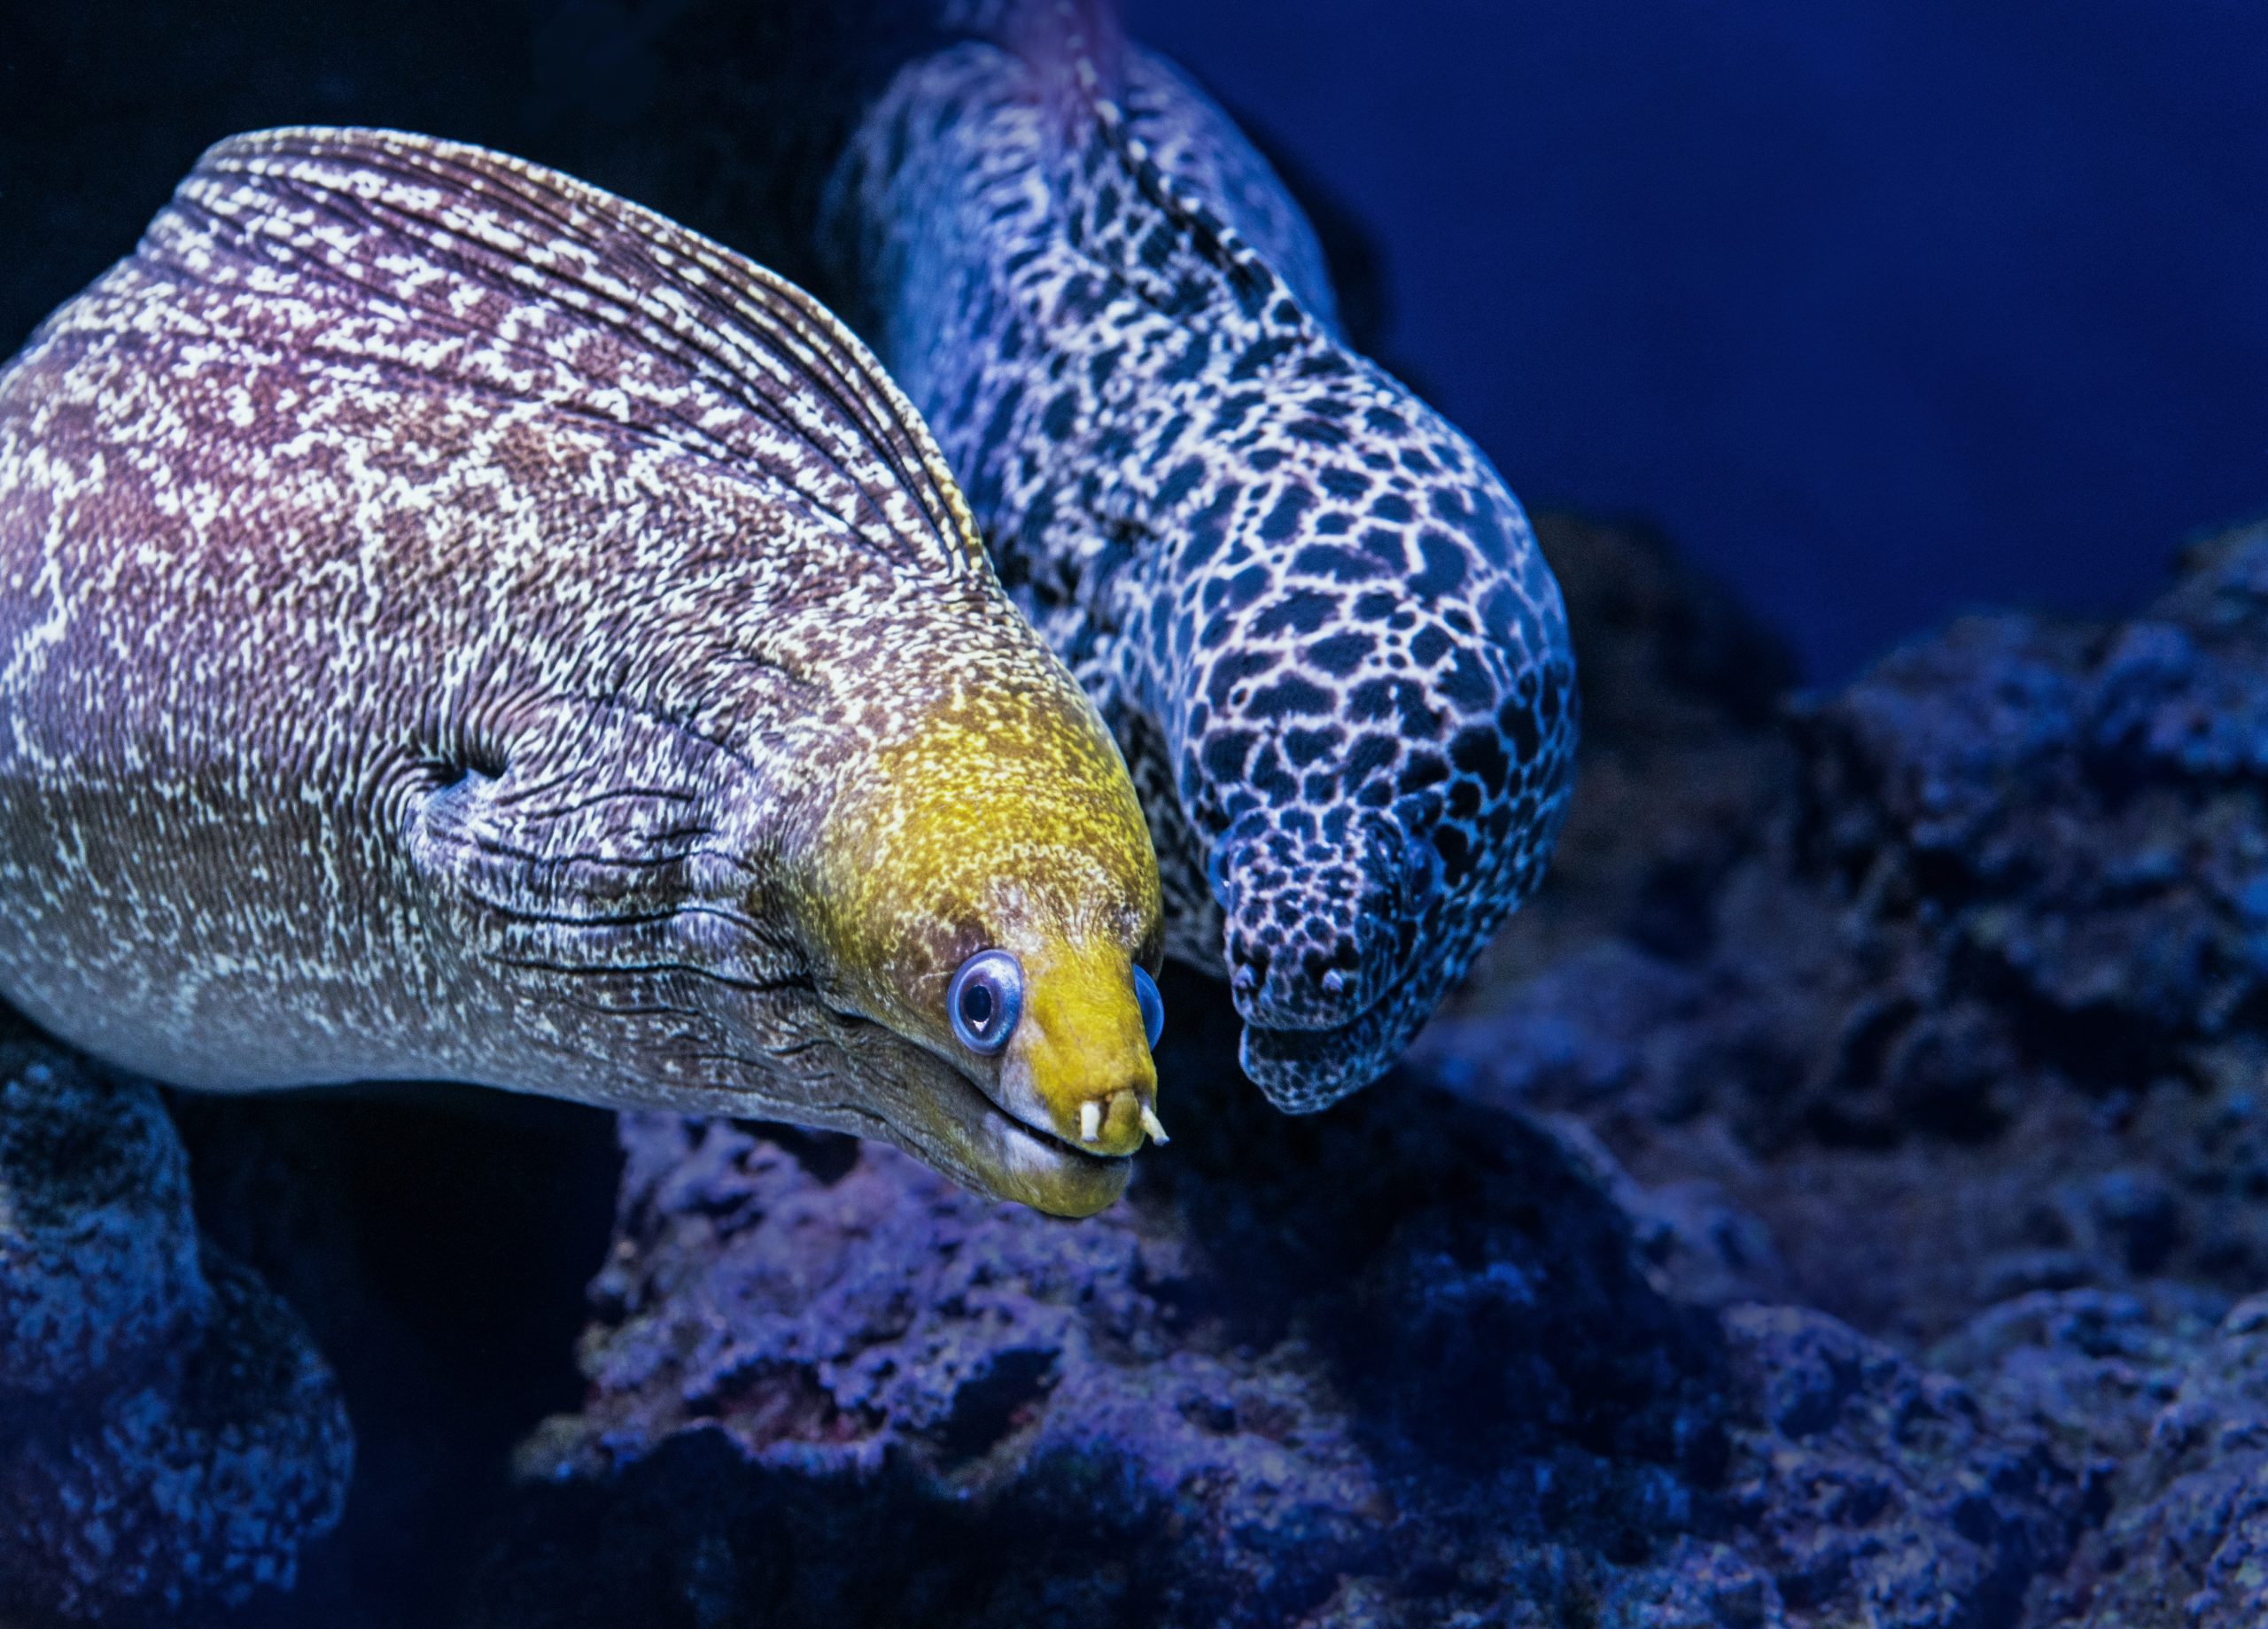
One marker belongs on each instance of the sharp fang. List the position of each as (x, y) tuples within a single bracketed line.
[(1090, 1121), (1334, 980), (1150, 1124)]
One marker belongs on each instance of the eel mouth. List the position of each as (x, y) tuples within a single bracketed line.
[(874, 1082), (1019, 1160), (931, 1110), (1303, 1070), (955, 1129)]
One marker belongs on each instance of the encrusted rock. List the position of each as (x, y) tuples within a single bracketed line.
[(1408, 1363), (98, 1248), (168, 1436)]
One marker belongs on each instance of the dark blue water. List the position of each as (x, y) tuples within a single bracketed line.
[(1883, 309)]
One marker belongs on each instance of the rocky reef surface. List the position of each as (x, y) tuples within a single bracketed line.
[(1834, 1202), (1407, 1365), (169, 1436), (1987, 967)]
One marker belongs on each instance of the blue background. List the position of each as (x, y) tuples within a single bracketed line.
[(1882, 309)]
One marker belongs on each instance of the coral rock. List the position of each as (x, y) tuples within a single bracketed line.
[(169, 1435)]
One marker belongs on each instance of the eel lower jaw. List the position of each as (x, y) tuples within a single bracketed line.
[(1303, 1070), (1009, 1157), (910, 1097), (961, 1134)]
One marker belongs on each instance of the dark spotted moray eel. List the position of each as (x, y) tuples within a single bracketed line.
[(1311, 612)]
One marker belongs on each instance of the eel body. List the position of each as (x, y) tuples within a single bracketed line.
[(1309, 608), (457, 625)]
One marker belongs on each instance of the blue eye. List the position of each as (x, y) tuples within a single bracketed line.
[(985, 999), (1153, 1007)]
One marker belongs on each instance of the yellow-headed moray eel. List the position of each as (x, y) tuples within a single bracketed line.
[(455, 624)]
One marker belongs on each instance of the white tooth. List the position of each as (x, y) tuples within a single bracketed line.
[(1090, 1121), (1334, 980), (1150, 1124)]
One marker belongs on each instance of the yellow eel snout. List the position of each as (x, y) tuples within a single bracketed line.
[(986, 889), (1076, 1065)]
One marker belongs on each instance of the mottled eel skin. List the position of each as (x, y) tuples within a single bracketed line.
[(454, 623), (1311, 611)]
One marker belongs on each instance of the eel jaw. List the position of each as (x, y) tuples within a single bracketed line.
[(1111, 1121), (947, 1121), (1034, 1167), (850, 1073), (1301, 1071)]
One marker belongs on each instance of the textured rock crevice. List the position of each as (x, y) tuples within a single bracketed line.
[(1984, 970)]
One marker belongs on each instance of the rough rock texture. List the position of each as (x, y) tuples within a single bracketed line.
[(168, 1436), (2189, 1543), (1992, 972), (1969, 1027), (1407, 1363), (98, 1250)]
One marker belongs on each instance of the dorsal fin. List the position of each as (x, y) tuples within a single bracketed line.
[(1214, 166), (1081, 56), (1260, 293), (618, 314), (1092, 82), (1077, 45)]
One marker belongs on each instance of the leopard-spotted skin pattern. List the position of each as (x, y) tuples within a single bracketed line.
[(1311, 611)]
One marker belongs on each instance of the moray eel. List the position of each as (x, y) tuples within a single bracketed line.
[(455, 624), (1312, 613)]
